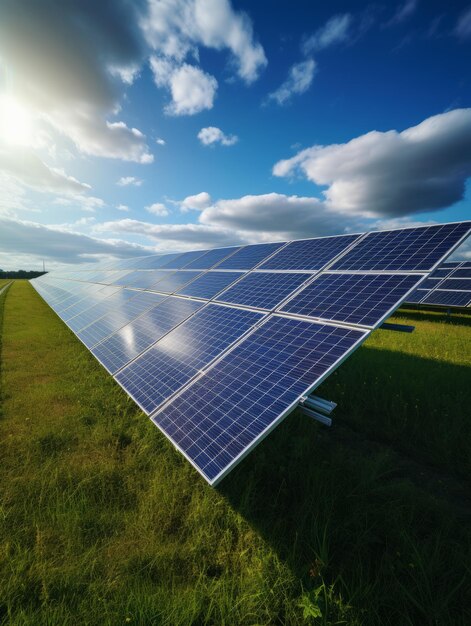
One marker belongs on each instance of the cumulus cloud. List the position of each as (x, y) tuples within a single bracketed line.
[(299, 80), (176, 28), (198, 202), (422, 168), (160, 141), (463, 25), (212, 135), (126, 181), (84, 203), (20, 239), (123, 207), (336, 30), (158, 209), (69, 65)]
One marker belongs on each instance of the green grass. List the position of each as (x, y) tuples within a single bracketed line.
[(102, 522)]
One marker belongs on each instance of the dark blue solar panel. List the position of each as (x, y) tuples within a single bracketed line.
[(91, 297), (139, 335), (93, 313), (174, 360), (249, 256), (441, 272), (353, 298), (210, 284), (456, 284), (466, 264), (210, 258), (116, 318), (175, 280), (462, 273), (430, 283), (184, 259), (450, 265), (448, 298), (263, 290), (410, 249), (417, 295), (226, 412), (309, 254)]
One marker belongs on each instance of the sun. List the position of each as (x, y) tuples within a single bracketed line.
[(16, 127)]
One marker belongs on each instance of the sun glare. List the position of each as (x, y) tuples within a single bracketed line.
[(15, 122)]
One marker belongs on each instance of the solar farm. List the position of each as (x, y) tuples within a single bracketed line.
[(241, 507)]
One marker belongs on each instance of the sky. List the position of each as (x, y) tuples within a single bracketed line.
[(129, 128)]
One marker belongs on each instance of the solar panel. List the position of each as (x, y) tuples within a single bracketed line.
[(143, 279), (155, 261), (456, 284), (463, 272), (114, 319), (210, 258), (218, 418), (404, 250), (175, 281), (249, 257), (89, 300), (182, 260), (309, 254), (161, 371), (94, 312), (128, 342), (417, 296), (448, 298), (352, 298), (263, 290), (209, 284)]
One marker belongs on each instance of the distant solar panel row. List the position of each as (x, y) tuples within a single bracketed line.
[(449, 286), (217, 346)]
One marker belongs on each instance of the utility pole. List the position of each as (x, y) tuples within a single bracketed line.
[(44, 266)]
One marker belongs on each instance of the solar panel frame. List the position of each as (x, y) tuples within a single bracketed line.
[(362, 334)]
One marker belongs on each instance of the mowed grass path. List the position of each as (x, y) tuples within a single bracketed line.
[(102, 522)]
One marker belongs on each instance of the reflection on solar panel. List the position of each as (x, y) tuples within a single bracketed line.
[(407, 250), (263, 290), (249, 257), (169, 364), (309, 254), (223, 414), (216, 378), (354, 298), (210, 284), (140, 334)]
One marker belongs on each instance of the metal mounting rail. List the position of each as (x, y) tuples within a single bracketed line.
[(317, 408)]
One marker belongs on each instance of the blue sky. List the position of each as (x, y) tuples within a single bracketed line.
[(178, 124)]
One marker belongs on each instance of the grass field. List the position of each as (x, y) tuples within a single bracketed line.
[(102, 522)]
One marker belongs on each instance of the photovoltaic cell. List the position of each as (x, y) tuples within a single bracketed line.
[(180, 261), (128, 342), (161, 371), (456, 284), (309, 254), (263, 290), (209, 284), (210, 258), (417, 295), (223, 414), (249, 256), (462, 273), (155, 261), (93, 313), (441, 297), (352, 298), (407, 250)]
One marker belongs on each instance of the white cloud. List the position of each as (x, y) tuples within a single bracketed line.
[(463, 25), (160, 141), (123, 207), (192, 89), (20, 240), (198, 202), (299, 80), (69, 66), (336, 30), (212, 135), (403, 12), (158, 209), (176, 28), (422, 168), (126, 181), (84, 203)]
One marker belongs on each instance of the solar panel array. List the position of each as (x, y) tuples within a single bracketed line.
[(448, 286), (218, 346)]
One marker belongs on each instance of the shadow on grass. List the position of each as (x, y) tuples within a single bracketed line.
[(342, 514)]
